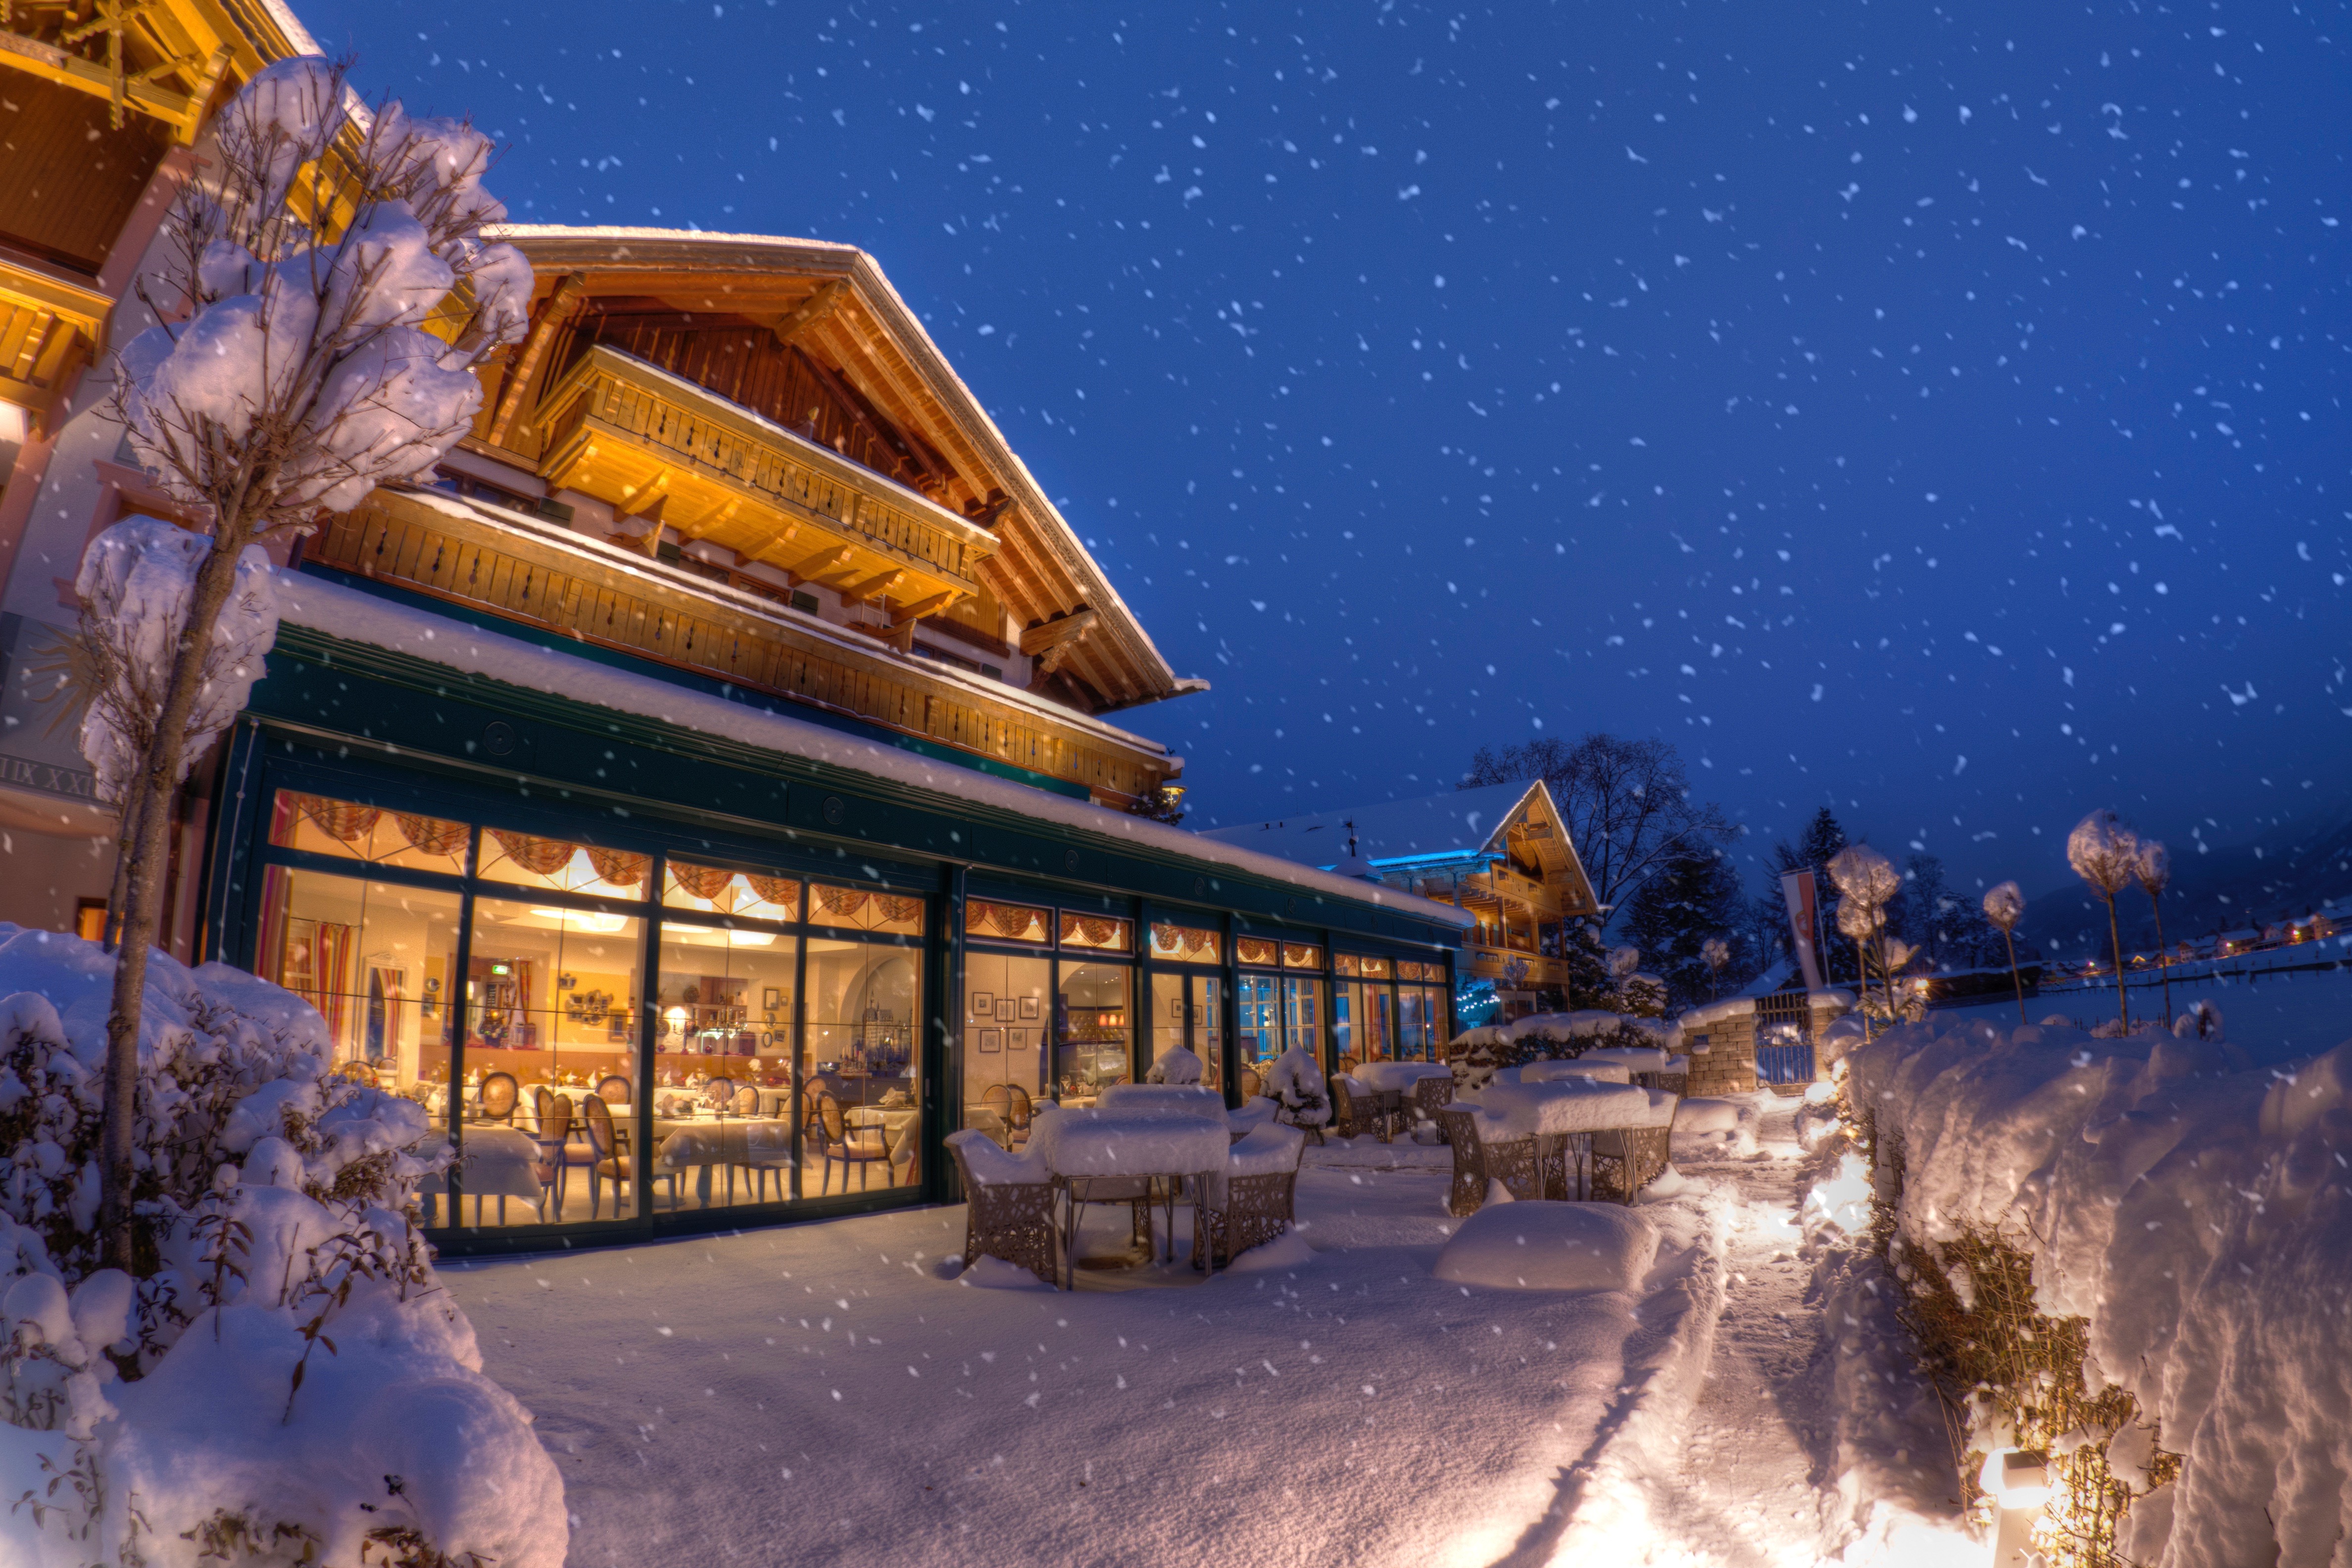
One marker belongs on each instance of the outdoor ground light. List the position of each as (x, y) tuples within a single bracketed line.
[(2019, 1480)]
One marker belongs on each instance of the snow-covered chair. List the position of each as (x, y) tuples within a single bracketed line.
[(1252, 1201), (1355, 1109), (1478, 1161), (1429, 1095), (1177, 1066), (1009, 1205)]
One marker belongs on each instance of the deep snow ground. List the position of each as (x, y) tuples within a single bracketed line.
[(2276, 1016), (817, 1394)]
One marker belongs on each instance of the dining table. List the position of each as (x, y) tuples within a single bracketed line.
[(707, 1139), (495, 1161)]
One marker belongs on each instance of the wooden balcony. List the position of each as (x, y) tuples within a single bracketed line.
[(656, 447), (48, 329), (1490, 962), (542, 576)]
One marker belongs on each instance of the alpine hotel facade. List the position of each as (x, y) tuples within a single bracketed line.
[(732, 717)]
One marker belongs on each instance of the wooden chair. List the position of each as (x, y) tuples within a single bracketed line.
[(854, 1147), (718, 1091), (745, 1103), (767, 1147), (500, 1095), (1252, 1084), (1022, 1115), (558, 1154), (1348, 1064), (611, 1160), (613, 1089), (1012, 1220)]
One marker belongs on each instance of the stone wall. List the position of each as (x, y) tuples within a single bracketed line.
[(1727, 1065)]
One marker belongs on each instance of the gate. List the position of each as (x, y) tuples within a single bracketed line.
[(1784, 1041)]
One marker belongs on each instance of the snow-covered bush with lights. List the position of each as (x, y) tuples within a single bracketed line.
[(1295, 1082), (280, 1379), (2139, 1253)]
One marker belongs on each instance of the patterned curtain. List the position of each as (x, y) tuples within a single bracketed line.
[(431, 834), (1301, 956), (1094, 930), (1253, 950), (331, 972), (781, 890), (841, 903), (340, 819), (899, 912), (621, 867), (540, 856), (701, 881), (1011, 921)]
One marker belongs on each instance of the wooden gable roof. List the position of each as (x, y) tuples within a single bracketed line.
[(812, 335)]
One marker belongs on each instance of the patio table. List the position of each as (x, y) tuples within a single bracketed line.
[(1397, 1076), (1088, 1150), (1582, 1067), (1554, 1112)]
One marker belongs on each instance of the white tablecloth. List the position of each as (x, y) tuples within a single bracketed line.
[(720, 1140), (497, 1161)]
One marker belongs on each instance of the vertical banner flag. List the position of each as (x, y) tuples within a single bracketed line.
[(1797, 890)]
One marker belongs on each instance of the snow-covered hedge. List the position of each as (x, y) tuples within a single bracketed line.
[(285, 1381), (2194, 1214)]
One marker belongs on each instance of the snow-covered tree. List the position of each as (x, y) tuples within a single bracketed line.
[(1692, 899), (1869, 883), (1715, 953), (2004, 905), (1587, 962), (2152, 869), (2105, 854), (326, 295)]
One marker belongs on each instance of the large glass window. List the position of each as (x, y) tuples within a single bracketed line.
[(1363, 1019), (860, 908), (1185, 1012), (1259, 1039), (553, 998), (531, 861), (1092, 1028), (861, 1059), (1008, 1008), (1302, 1015), (724, 1004), (379, 962)]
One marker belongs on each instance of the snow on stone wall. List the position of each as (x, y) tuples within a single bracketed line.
[(2196, 1211)]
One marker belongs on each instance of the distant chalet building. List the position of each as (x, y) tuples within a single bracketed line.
[(730, 721), (1500, 853)]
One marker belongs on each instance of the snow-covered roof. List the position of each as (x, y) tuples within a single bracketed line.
[(1456, 826), (354, 617)]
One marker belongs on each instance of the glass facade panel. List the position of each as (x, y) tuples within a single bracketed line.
[(378, 960), (553, 1002), (1302, 1015), (724, 1001), (860, 1060), (1372, 968), (1105, 932), (712, 889), (1254, 949), (1093, 1028), (1301, 956), (1007, 1016), (351, 832), (1185, 944), (1260, 1038), (861, 908), (1362, 1017), (531, 861), (1185, 1012), (1005, 922)]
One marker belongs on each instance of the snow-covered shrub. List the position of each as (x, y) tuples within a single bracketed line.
[(1295, 1081), (2131, 1253), (1177, 1066), (280, 1373)]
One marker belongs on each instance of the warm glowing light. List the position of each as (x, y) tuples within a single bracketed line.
[(588, 920), (2016, 1478)]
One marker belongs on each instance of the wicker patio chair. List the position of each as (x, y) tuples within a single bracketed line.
[(1477, 1162), (1429, 1095), (1011, 1220), (1252, 1084), (1352, 1114), (1626, 1159), (1257, 1208)]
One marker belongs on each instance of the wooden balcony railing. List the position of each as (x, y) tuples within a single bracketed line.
[(648, 443), (447, 549)]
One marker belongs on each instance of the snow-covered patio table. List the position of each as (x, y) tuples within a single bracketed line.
[(1107, 1154), (1399, 1075), (1585, 1066), (1551, 1112)]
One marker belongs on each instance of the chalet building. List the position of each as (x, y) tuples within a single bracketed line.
[(732, 715), (1500, 853)]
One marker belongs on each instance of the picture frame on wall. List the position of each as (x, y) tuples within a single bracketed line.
[(771, 999), (1006, 1011), (1175, 1009), (991, 1042), (1028, 1006), (983, 1004)]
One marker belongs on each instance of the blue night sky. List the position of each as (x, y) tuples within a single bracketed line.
[(1940, 413)]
